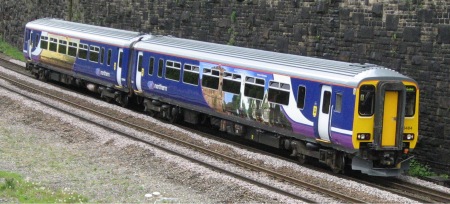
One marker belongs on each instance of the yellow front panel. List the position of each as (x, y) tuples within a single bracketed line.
[(389, 119), (365, 124)]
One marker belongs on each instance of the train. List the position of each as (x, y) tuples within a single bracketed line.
[(348, 116)]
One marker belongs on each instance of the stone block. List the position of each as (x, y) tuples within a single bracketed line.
[(349, 35), (269, 14), (427, 47), (321, 7), (417, 60), (392, 22), (185, 16), (305, 13), (358, 18), (275, 26), (154, 20), (345, 56), (289, 21), (425, 15), (443, 35), (224, 23), (411, 34), (377, 10), (282, 44), (298, 33), (344, 14), (365, 32)]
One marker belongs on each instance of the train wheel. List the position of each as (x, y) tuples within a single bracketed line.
[(302, 159), (124, 100), (339, 166), (151, 113), (42, 76), (107, 99), (174, 116)]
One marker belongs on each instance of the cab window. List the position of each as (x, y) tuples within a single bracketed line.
[(410, 101), (366, 100)]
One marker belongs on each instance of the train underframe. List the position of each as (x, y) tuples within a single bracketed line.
[(367, 160)]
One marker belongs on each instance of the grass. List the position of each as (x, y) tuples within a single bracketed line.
[(11, 51), (15, 187)]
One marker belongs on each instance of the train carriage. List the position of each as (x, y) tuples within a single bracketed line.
[(310, 106), (360, 116), (77, 53)]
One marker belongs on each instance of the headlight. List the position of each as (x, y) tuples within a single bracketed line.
[(363, 136), (408, 136)]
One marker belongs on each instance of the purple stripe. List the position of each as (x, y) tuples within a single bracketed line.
[(342, 139)]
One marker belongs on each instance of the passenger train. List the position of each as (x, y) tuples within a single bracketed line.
[(348, 116)]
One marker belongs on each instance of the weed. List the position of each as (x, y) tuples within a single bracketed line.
[(233, 17), (419, 170)]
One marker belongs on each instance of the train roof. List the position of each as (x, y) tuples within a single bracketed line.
[(343, 73), (105, 35)]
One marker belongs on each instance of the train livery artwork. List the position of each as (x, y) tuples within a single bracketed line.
[(348, 116)]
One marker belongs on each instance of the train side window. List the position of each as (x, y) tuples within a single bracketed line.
[(102, 55), (160, 67), (173, 70), (53, 44), (366, 100), (254, 88), (72, 49), (36, 41), (44, 42), (301, 97), (82, 51), (338, 105), (410, 101), (62, 48), (191, 74), (210, 78), (279, 92), (151, 66), (140, 63), (93, 53), (231, 83), (108, 58), (326, 102), (120, 59)]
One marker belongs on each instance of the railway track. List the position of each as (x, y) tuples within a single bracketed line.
[(293, 181), (406, 189), (412, 191)]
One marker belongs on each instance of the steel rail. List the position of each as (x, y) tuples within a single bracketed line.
[(213, 167), (294, 181)]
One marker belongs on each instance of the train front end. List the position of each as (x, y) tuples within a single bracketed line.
[(385, 128)]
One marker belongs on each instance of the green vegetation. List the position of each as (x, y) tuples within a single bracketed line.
[(420, 170), (233, 17), (14, 186), (10, 50)]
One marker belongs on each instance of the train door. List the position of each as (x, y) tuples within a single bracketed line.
[(324, 113), (119, 67), (389, 115), (30, 44), (140, 71), (389, 119)]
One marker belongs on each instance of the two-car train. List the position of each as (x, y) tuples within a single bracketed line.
[(361, 116)]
